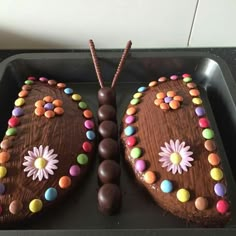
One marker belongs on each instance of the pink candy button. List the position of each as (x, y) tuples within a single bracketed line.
[(129, 119)]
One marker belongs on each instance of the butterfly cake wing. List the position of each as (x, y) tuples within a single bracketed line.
[(47, 148), (169, 143)]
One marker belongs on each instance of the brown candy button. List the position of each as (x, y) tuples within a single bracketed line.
[(52, 82), (191, 85), (26, 87), (201, 203), (15, 207), (5, 144), (210, 145)]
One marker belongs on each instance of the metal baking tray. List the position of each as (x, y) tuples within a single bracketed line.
[(78, 214)]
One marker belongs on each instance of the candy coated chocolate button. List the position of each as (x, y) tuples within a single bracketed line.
[(6, 143), (64, 182), (89, 124), (213, 159), (158, 102), (43, 79), (15, 207), (222, 206), (52, 82), (50, 194), (149, 177), (58, 111), (2, 188), (48, 106), (108, 149), (87, 147), (29, 82), (187, 79), (61, 85), (108, 129), (183, 195), (74, 170), (129, 130), (11, 132), (201, 203), (142, 89), (13, 121), (168, 99), (186, 75), (137, 95), (136, 152), (23, 93), (194, 92), (68, 91), (107, 96), (131, 141), (166, 186), (76, 97), (39, 103), (134, 101), (210, 145), (31, 78), (36, 205), (26, 87), (82, 159), (152, 84), (90, 135), (4, 157), (82, 105), (88, 114), (174, 104), (106, 112), (48, 99), (160, 95), (174, 77), (216, 174), (129, 119), (57, 103), (220, 189), (197, 101), (39, 111), (17, 112), (200, 111), (191, 85), (203, 122), (208, 133), (131, 111), (49, 114), (178, 98), (162, 79), (171, 94), (140, 165), (164, 106)]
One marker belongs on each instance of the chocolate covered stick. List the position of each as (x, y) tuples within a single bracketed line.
[(122, 62), (95, 62)]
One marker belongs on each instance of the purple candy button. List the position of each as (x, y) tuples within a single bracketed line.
[(140, 165), (174, 77), (2, 188), (220, 189), (49, 106), (89, 124), (168, 99), (129, 119), (74, 170), (200, 111), (17, 111)]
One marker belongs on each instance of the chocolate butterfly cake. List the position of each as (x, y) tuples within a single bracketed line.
[(47, 148), (170, 146)]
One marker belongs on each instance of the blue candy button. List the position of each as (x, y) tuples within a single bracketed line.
[(129, 130), (68, 91), (50, 194), (90, 135), (166, 186), (142, 89)]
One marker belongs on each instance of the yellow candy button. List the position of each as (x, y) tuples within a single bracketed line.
[(3, 171), (197, 101), (35, 205), (152, 83), (19, 102), (216, 174), (76, 97), (137, 95), (183, 195)]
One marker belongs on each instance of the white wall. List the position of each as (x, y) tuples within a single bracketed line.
[(27, 24)]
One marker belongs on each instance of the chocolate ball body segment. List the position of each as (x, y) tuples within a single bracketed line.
[(107, 96), (108, 149), (109, 172), (109, 199), (106, 112), (108, 129)]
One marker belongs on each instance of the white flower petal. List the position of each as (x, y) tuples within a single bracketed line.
[(179, 170), (36, 152), (28, 168), (54, 161), (177, 145), (166, 164), (183, 166), (45, 151), (40, 150), (45, 173), (168, 147), (174, 169), (29, 158), (187, 164), (50, 171)]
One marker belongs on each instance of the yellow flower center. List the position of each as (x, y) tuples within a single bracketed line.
[(40, 163), (175, 158)]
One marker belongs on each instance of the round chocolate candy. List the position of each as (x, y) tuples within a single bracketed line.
[(109, 172), (108, 129), (109, 199), (108, 149), (201, 203), (106, 112), (107, 96)]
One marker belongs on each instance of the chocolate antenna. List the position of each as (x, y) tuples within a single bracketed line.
[(95, 62), (122, 62)]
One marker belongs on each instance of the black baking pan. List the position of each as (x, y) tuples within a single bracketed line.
[(78, 213)]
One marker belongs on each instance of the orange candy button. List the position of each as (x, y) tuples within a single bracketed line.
[(61, 85), (157, 102), (171, 94), (164, 106), (48, 99), (160, 95), (49, 114), (58, 110), (149, 177), (88, 114), (57, 103), (131, 111), (174, 104), (39, 103), (23, 93), (152, 83), (39, 111), (162, 79), (213, 159), (178, 98), (64, 182), (4, 157), (194, 92)]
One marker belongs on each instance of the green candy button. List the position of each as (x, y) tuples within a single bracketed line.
[(82, 159), (29, 82), (11, 132), (187, 79), (134, 101), (82, 105), (208, 133), (136, 152)]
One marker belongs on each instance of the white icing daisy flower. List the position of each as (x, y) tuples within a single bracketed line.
[(176, 156), (40, 163)]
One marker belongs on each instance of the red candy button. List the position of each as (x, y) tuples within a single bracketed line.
[(222, 206), (203, 122), (131, 141), (87, 147), (13, 121)]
